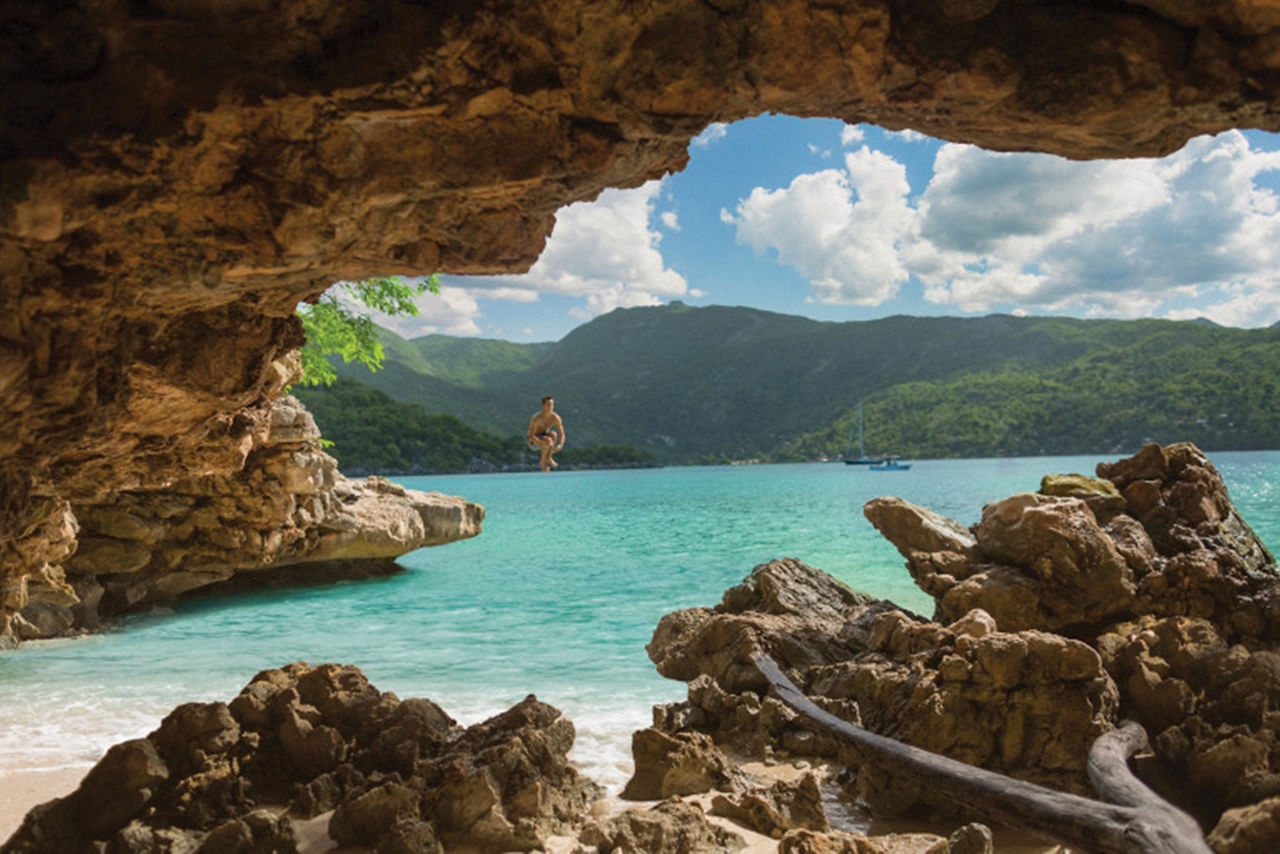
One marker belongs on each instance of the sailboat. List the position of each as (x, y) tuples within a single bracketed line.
[(862, 459)]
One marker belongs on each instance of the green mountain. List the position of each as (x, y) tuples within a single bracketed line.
[(727, 382)]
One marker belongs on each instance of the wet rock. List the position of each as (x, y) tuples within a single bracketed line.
[(672, 827), (774, 810), (680, 764)]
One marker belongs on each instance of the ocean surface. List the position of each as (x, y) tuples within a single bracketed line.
[(557, 597)]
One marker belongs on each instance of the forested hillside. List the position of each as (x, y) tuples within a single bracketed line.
[(699, 384), (373, 434)]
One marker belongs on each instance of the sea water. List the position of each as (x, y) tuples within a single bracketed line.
[(557, 597)]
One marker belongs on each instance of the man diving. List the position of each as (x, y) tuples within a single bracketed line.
[(545, 431)]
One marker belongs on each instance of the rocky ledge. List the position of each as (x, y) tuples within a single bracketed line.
[(287, 514)]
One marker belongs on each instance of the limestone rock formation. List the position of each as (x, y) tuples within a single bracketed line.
[(288, 506), (174, 177), (394, 772), (1027, 704), (1159, 536), (681, 763)]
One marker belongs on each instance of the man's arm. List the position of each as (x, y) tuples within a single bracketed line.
[(532, 421), (560, 424)]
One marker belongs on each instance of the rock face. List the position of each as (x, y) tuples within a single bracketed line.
[(399, 775), (288, 506), (174, 177), (1027, 704), (1152, 565), (1159, 536)]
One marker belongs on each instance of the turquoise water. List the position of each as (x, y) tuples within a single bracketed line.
[(557, 597)]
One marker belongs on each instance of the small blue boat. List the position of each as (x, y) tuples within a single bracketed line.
[(889, 464)]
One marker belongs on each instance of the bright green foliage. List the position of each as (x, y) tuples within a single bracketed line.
[(334, 329)]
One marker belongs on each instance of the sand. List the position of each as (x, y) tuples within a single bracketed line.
[(24, 789)]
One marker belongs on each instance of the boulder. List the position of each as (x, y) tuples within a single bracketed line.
[(772, 811), (684, 763)]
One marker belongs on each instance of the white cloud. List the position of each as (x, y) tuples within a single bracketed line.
[(1030, 231), (907, 135), (453, 312), (841, 228), (824, 153), (712, 132), (1114, 238), (604, 252), (850, 134)]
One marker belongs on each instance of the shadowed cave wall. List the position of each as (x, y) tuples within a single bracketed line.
[(175, 175)]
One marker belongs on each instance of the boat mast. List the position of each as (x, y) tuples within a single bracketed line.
[(862, 452)]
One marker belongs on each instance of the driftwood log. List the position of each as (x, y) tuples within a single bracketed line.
[(1132, 819)]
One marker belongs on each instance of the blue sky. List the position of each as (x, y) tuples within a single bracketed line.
[(837, 222)]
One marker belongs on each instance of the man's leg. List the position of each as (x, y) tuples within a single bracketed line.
[(546, 454)]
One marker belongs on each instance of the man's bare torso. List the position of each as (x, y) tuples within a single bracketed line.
[(545, 422)]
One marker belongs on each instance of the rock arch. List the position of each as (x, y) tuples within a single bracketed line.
[(176, 174)]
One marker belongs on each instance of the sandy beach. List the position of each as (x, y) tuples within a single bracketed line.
[(26, 788)]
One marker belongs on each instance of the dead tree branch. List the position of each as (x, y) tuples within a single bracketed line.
[(1139, 822)]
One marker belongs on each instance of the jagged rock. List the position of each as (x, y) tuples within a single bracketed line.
[(1028, 704), (410, 779), (1210, 706), (1176, 546), (1254, 829), (672, 827), (844, 842), (683, 763), (792, 611), (774, 810)]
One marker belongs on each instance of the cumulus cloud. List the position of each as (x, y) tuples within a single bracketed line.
[(851, 134), (839, 227), (670, 220), (1116, 238), (711, 133), (453, 311), (907, 135), (1036, 232)]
